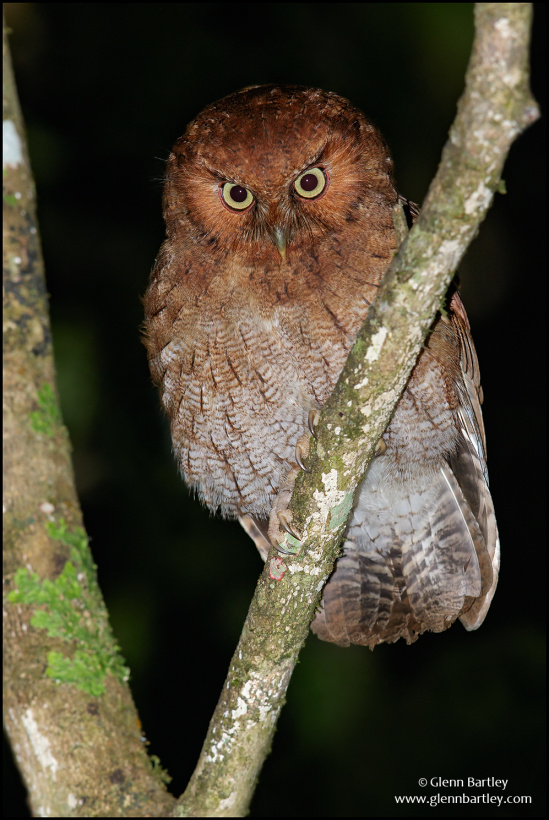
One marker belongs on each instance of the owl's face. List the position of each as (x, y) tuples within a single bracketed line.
[(270, 170)]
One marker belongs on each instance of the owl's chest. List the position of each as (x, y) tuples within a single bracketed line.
[(262, 368), (238, 387)]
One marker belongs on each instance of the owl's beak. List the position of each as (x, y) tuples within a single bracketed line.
[(279, 236)]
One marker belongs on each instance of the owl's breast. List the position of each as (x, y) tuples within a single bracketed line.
[(237, 386), (242, 353)]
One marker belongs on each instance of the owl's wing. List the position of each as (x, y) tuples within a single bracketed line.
[(414, 559), (425, 551), (468, 464)]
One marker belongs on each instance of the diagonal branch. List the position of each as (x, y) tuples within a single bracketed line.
[(495, 107)]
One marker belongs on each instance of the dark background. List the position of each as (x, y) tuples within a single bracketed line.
[(105, 91)]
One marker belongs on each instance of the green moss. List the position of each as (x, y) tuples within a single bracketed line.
[(66, 608), (47, 418), (9, 199), (160, 772), (290, 544)]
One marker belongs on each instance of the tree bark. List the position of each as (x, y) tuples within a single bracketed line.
[(68, 709)]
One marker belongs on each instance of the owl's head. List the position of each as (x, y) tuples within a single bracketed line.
[(271, 169)]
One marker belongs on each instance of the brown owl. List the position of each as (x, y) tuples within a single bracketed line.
[(278, 204)]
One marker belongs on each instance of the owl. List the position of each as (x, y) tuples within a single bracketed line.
[(278, 203)]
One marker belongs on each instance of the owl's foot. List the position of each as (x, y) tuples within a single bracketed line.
[(303, 444), (283, 521), (301, 452), (281, 534)]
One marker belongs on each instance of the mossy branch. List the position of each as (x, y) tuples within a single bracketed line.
[(68, 713), (495, 107)]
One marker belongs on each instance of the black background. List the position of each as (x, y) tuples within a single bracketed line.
[(105, 91)]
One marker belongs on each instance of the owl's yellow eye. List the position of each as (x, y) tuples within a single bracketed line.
[(235, 197), (312, 183)]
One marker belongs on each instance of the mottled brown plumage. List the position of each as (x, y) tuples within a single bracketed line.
[(278, 206)]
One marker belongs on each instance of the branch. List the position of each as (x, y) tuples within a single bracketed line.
[(495, 107), (74, 730)]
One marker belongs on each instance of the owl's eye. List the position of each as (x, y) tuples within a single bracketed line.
[(312, 183), (235, 197)]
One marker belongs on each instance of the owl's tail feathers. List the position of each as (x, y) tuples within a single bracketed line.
[(415, 559), (411, 563), (359, 604), (258, 530)]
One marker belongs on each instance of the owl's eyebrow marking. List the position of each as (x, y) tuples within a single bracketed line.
[(219, 177), (213, 172), (315, 161)]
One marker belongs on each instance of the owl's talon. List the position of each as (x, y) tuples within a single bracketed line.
[(283, 521), (289, 544), (299, 458), (281, 551), (381, 446), (312, 421)]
